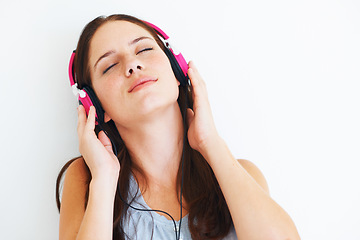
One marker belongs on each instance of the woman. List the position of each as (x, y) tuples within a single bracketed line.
[(168, 154)]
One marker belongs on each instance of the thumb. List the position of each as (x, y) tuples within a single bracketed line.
[(104, 139), (190, 116)]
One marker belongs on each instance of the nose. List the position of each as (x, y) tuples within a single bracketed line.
[(133, 67)]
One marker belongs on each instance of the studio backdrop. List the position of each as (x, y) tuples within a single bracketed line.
[(283, 83)]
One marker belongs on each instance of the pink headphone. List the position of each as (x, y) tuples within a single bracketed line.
[(87, 96)]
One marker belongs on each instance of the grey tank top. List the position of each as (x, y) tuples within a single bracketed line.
[(140, 225)]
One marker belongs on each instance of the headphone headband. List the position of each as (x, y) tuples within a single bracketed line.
[(179, 59), (87, 96), (158, 30)]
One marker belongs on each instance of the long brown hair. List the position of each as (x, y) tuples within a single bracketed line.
[(209, 216)]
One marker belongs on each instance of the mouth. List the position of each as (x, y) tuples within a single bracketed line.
[(142, 82)]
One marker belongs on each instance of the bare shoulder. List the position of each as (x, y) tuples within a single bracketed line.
[(255, 173), (73, 199), (75, 183), (77, 171)]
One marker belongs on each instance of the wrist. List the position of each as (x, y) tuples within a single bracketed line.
[(105, 180), (211, 148), (104, 171)]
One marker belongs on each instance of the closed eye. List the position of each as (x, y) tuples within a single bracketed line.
[(107, 69), (144, 50), (141, 51)]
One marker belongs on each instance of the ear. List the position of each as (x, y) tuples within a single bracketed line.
[(107, 118)]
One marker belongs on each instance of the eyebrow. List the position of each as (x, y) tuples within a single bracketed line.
[(139, 39), (104, 56), (136, 40)]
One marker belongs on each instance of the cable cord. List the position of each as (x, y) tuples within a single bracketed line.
[(177, 230)]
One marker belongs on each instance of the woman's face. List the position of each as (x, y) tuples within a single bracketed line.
[(130, 73)]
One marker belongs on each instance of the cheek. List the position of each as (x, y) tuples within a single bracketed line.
[(161, 61), (164, 67), (107, 92)]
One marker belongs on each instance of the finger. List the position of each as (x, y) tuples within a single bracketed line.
[(197, 82), (104, 139), (81, 119), (191, 72), (199, 92), (90, 123), (195, 75), (190, 116)]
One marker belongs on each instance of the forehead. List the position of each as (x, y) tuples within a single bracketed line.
[(115, 33), (120, 28)]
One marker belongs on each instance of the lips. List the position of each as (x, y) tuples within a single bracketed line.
[(140, 82)]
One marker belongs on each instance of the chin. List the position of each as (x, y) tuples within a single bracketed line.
[(155, 103)]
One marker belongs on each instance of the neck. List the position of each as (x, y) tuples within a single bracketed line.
[(156, 146)]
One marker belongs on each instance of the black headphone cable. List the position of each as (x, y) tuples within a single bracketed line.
[(177, 229)]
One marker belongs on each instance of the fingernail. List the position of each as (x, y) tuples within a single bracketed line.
[(79, 107)]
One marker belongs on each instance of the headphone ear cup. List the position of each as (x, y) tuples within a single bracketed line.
[(179, 66), (177, 61), (89, 100)]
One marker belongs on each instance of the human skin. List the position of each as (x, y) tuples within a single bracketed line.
[(150, 124)]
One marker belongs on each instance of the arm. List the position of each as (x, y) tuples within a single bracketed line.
[(255, 215), (73, 200), (255, 173), (96, 221)]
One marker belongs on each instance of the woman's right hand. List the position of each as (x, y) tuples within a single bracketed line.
[(96, 151)]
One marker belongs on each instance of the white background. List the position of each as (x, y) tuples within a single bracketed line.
[(283, 80)]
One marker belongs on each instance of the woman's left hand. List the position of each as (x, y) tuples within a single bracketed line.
[(202, 132)]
